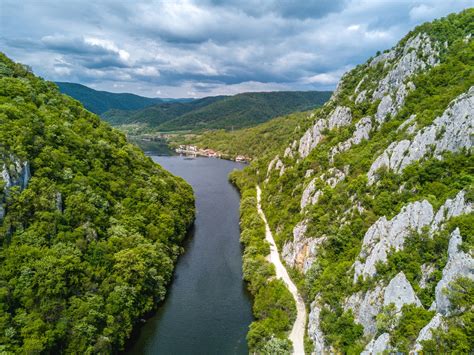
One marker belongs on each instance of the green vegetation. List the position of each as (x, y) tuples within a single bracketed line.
[(101, 101), (335, 216), (219, 112), (459, 337), (274, 307), (259, 141), (88, 244)]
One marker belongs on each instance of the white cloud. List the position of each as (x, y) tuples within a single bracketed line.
[(197, 48)]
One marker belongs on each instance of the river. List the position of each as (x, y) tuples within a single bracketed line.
[(207, 309)]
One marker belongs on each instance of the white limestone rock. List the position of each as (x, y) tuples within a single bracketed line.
[(288, 153), (407, 63), (362, 132), (384, 235), (399, 292), (311, 138), (301, 252), (275, 164), (452, 131), (426, 272), (314, 328), (308, 192), (383, 57), (280, 167), (341, 116), (365, 307), (459, 264), (425, 332), (377, 346), (361, 97), (407, 122), (334, 176), (451, 208)]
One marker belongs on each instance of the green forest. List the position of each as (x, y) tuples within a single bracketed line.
[(90, 228), (434, 178), (219, 112)]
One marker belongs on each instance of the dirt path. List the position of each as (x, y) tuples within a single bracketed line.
[(298, 331)]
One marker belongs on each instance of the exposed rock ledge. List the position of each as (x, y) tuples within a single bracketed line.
[(459, 264), (384, 235), (366, 306), (361, 132), (452, 131), (332, 177), (301, 252), (341, 116), (17, 173)]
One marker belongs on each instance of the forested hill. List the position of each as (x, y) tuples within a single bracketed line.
[(370, 200), (225, 112), (100, 101), (90, 227)]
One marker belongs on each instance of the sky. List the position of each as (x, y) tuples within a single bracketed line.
[(210, 47)]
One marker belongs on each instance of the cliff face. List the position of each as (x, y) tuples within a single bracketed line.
[(372, 206)]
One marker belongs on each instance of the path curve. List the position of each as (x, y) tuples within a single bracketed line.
[(298, 330)]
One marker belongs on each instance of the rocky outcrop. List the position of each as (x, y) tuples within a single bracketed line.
[(389, 106), (384, 235), (426, 273), (377, 346), (399, 292), (418, 53), (301, 252), (334, 176), (14, 173), (314, 328), (341, 116), (425, 332), (362, 130), (409, 125), (275, 164), (459, 264), (309, 195), (365, 307), (452, 131), (311, 138)]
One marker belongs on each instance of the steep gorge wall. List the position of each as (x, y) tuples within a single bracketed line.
[(384, 167)]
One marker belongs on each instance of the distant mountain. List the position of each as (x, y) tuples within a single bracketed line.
[(220, 112), (100, 101)]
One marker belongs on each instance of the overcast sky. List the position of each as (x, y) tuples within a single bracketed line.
[(209, 47)]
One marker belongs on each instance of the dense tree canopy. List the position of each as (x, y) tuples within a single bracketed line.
[(88, 243)]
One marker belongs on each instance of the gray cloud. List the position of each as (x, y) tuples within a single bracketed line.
[(196, 48)]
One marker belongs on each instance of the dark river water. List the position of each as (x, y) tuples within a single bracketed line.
[(207, 309)]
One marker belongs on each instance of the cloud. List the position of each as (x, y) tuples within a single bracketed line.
[(210, 47)]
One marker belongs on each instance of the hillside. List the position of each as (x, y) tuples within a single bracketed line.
[(90, 227), (220, 112), (370, 201), (101, 101), (252, 142)]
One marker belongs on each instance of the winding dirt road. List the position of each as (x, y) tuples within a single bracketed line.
[(298, 330)]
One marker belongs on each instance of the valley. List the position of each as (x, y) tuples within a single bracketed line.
[(237, 201)]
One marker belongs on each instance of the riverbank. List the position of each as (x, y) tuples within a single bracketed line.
[(298, 330), (274, 307)]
